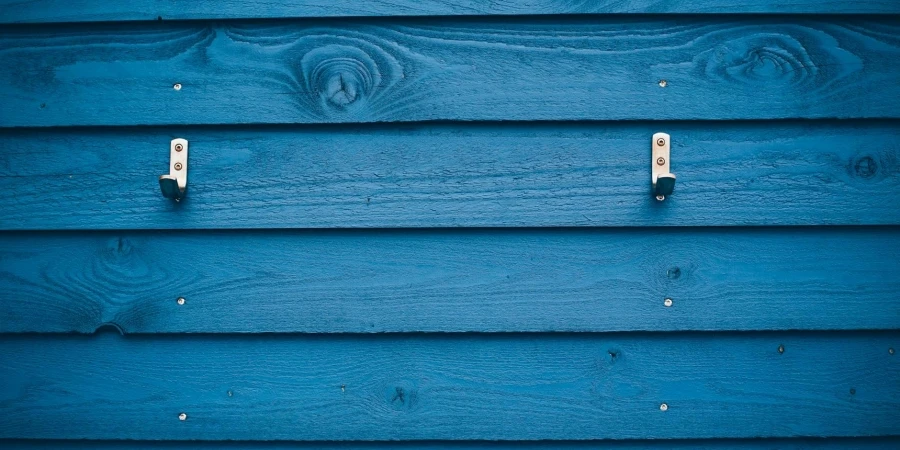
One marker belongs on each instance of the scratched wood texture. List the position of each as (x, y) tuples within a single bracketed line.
[(414, 69), (41, 11), (887, 442), (451, 281), (453, 175), (456, 387)]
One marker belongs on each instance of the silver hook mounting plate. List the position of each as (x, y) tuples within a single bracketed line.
[(662, 179), (174, 185)]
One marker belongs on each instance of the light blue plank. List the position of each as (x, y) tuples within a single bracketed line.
[(453, 175), (408, 69), (17, 11), (459, 387), (451, 281), (673, 444)]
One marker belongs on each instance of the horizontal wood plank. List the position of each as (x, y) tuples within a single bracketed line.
[(41, 11), (457, 387), (451, 281), (478, 175), (887, 442), (564, 68)]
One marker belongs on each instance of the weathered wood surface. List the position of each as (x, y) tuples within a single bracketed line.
[(748, 173), (888, 442), (450, 281), (408, 69), (38, 11), (458, 387)]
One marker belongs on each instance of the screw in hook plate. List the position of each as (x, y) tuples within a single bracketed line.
[(179, 147), (667, 302), (660, 161), (182, 417), (660, 142), (178, 166), (664, 407)]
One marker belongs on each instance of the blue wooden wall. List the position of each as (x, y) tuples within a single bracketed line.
[(428, 224)]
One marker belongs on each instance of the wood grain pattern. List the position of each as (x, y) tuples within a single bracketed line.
[(889, 442), (765, 173), (38, 11), (564, 68), (450, 281), (458, 387)]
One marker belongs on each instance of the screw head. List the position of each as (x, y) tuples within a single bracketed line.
[(182, 417), (178, 166), (891, 350), (660, 197), (663, 83), (667, 302), (660, 161), (660, 142), (176, 86), (180, 300), (781, 349), (663, 407), (179, 147)]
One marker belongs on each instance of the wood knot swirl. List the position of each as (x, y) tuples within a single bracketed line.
[(762, 57), (865, 167), (342, 78)]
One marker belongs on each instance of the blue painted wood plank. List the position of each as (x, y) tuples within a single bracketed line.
[(408, 69), (453, 175), (451, 281), (457, 387), (673, 444), (38, 11)]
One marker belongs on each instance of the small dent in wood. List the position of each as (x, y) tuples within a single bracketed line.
[(614, 355), (673, 273), (403, 396)]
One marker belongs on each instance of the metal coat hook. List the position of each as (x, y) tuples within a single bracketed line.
[(174, 185), (661, 177)]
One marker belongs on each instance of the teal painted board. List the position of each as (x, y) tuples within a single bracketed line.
[(456, 387), (409, 69), (37, 11), (672, 444), (451, 281), (453, 175)]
